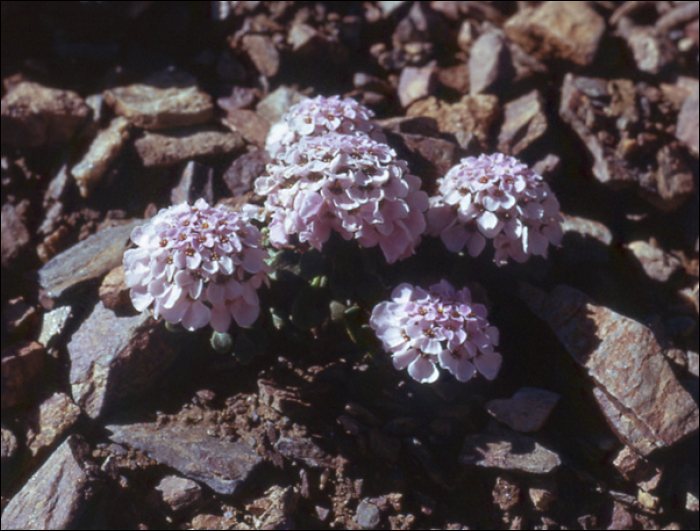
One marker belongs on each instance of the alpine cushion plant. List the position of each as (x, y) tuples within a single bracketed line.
[(319, 116), (440, 327), (353, 185), (198, 265), (495, 197)]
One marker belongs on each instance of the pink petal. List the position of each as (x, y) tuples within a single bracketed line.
[(215, 293), (196, 316), (140, 299), (454, 238), (401, 360), (460, 367), (220, 319), (476, 244), (245, 314), (438, 218), (423, 370), (488, 364)]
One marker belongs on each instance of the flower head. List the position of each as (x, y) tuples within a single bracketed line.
[(318, 116), (495, 197), (350, 184), (438, 327), (198, 265)]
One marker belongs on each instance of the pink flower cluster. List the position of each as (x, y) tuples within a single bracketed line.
[(351, 184), (495, 197), (198, 265), (319, 116), (439, 327)]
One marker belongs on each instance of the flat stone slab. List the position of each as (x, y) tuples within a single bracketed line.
[(527, 411), (509, 452), (636, 388), (89, 259), (223, 466), (173, 147), (115, 359)]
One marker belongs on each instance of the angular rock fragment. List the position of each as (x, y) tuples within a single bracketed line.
[(89, 259), (632, 466), (114, 293), (9, 448), (180, 494), (50, 422), (275, 510), (524, 122), (32, 115), (569, 31), (489, 62), (657, 264), (263, 53), (634, 385), (115, 359), (167, 149), (154, 107), (694, 364), (223, 466), (275, 104), (197, 181), (53, 324), (241, 175), (15, 236), (416, 83), (470, 119), (22, 370), (102, 152), (60, 493), (249, 125), (510, 451), (527, 411), (587, 228), (653, 51), (687, 128), (304, 450), (368, 515)]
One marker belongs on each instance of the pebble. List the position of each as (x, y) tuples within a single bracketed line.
[(368, 515)]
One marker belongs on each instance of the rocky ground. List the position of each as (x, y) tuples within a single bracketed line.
[(112, 110)]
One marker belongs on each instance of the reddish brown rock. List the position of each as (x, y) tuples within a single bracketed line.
[(167, 149), (687, 128), (180, 494), (50, 422), (60, 493), (251, 126), (511, 451), (416, 83), (524, 122), (115, 359), (32, 115), (22, 371), (526, 412), (114, 293), (456, 78), (634, 384), (506, 494), (569, 31), (263, 53), (15, 236)]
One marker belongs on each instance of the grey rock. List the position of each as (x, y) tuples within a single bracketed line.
[(509, 452), (263, 53), (57, 496), (223, 466), (275, 104), (172, 147), (179, 493), (304, 450), (48, 423), (687, 127), (527, 411), (197, 181), (653, 51), (9, 447), (416, 83), (368, 515), (102, 152), (694, 364), (115, 359), (15, 236), (249, 124), (240, 176), (88, 260), (524, 123), (22, 371), (161, 107), (657, 264), (635, 386), (53, 324), (489, 62), (32, 115)]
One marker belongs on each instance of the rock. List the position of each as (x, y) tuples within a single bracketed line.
[(89, 259), (456, 78), (468, 33), (180, 494), (50, 422), (166, 149), (53, 324), (569, 31), (632, 466), (506, 494), (9, 448), (527, 411), (22, 372), (18, 320), (694, 364), (15, 236), (197, 181), (470, 119), (263, 53), (621, 518), (304, 450), (167, 106), (60, 493), (102, 152), (524, 122), (635, 386), (587, 229), (32, 115), (249, 125), (542, 494), (114, 293), (389, 7), (657, 264), (277, 103), (489, 62), (412, 125), (416, 83), (276, 509), (667, 184), (221, 465), (239, 98), (368, 515), (242, 173), (509, 451), (687, 128), (115, 359), (303, 36), (653, 51)]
